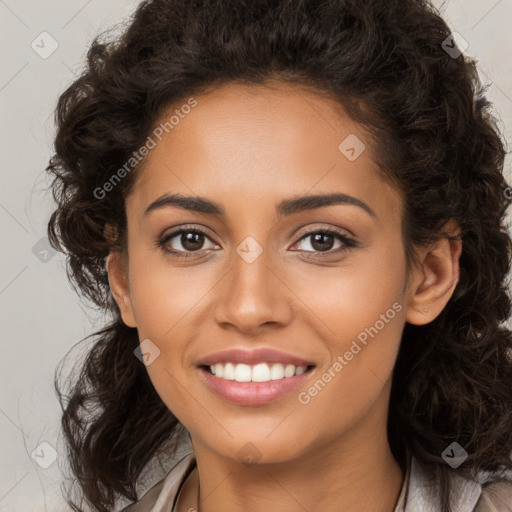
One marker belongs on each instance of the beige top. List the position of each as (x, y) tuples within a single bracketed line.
[(416, 495)]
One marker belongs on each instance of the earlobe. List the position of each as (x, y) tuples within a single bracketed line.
[(118, 279), (434, 282)]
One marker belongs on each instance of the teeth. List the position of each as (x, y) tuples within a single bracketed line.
[(228, 372), (277, 372), (261, 372), (289, 371), (300, 370), (242, 373)]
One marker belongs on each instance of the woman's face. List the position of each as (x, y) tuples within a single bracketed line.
[(319, 281)]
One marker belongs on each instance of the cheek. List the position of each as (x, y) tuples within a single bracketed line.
[(363, 352), (165, 297), (168, 307), (166, 302), (344, 302), (360, 314)]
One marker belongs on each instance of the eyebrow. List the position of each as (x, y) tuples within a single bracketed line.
[(284, 208)]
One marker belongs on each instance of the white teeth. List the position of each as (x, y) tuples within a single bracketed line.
[(277, 371), (262, 372), (289, 370), (242, 373), (229, 371)]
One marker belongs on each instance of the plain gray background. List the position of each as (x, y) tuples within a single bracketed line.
[(41, 316)]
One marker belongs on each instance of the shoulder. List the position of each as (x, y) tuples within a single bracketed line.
[(161, 497)]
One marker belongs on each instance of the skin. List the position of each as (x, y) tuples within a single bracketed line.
[(248, 148)]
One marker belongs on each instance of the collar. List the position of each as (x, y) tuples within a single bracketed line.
[(422, 492)]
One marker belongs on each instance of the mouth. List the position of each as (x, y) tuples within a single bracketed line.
[(256, 377)]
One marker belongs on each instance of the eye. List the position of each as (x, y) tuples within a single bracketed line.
[(325, 240), (183, 241)]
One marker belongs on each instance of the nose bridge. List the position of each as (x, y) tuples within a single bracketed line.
[(252, 295), (250, 270)]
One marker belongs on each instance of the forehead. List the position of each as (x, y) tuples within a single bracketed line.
[(258, 142)]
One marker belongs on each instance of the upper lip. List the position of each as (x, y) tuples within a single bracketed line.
[(251, 357)]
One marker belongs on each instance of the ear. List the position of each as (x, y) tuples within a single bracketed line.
[(434, 281), (117, 268)]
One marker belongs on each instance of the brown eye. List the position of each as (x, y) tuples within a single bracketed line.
[(324, 241), (184, 241)]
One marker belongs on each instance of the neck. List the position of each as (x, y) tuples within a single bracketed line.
[(355, 471)]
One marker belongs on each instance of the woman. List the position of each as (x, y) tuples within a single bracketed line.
[(295, 213)]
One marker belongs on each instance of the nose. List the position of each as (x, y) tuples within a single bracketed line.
[(252, 295)]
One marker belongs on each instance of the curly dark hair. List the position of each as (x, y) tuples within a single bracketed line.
[(435, 139)]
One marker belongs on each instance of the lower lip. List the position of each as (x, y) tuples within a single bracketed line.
[(253, 393)]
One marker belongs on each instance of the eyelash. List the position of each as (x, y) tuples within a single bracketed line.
[(348, 242)]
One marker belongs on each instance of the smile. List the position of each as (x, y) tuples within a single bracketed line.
[(254, 377)]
